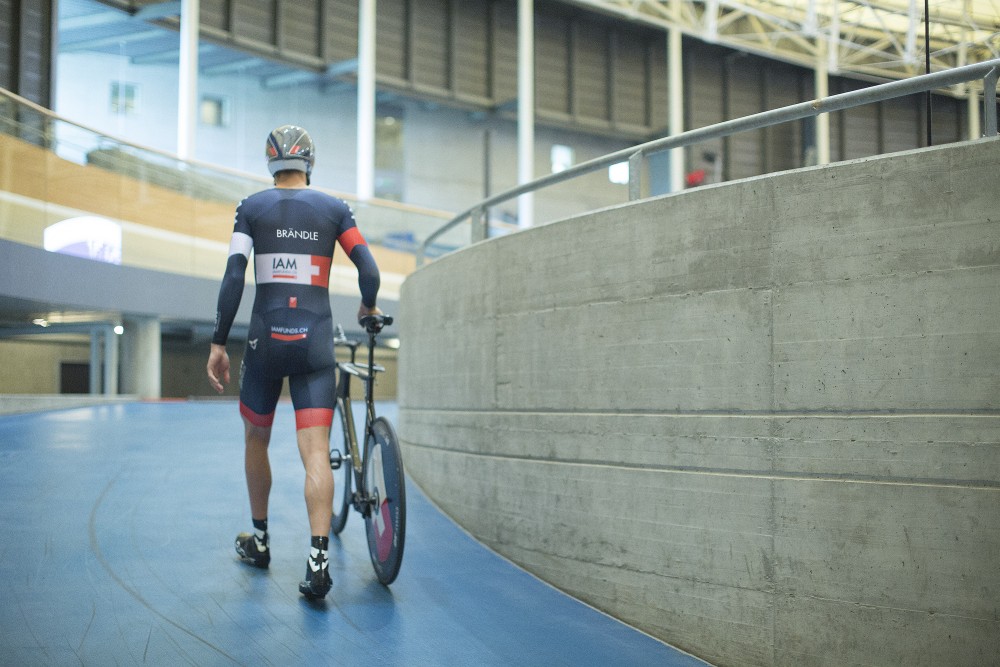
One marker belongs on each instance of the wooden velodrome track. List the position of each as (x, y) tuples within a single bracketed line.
[(117, 526)]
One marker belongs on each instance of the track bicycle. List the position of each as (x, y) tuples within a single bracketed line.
[(371, 481)]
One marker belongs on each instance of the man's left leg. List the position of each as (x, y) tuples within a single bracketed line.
[(314, 448), (314, 442)]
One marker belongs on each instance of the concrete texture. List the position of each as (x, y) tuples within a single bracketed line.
[(758, 420)]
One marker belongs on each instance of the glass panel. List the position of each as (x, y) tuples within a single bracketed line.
[(148, 209)]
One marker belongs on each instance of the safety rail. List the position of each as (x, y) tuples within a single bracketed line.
[(191, 201), (988, 71)]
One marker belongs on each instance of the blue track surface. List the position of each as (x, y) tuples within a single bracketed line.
[(117, 526)]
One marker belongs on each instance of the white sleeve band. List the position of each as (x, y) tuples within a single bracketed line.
[(240, 244)]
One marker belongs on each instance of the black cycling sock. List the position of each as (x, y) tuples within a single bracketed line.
[(321, 542), (260, 524)]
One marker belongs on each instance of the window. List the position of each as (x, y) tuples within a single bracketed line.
[(124, 98), (389, 154), (618, 173), (214, 111), (561, 157)]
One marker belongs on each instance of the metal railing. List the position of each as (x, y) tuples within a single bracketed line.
[(988, 71), (197, 243)]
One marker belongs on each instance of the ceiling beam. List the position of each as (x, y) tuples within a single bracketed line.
[(100, 42)]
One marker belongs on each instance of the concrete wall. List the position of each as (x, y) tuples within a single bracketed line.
[(758, 420)]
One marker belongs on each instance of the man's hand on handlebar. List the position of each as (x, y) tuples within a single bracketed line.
[(373, 319), (365, 311)]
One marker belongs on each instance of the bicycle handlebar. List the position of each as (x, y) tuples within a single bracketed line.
[(374, 323)]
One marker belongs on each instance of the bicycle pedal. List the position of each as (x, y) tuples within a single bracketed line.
[(336, 459)]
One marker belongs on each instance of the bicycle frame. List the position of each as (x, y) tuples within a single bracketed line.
[(379, 483), (360, 499)]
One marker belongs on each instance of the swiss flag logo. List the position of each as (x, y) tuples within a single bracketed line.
[(293, 302)]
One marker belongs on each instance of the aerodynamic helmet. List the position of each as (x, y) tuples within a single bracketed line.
[(290, 147)]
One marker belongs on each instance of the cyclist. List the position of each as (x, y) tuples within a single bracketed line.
[(292, 231)]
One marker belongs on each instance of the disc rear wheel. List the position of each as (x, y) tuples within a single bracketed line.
[(385, 486)]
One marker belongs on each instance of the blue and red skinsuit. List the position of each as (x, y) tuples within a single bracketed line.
[(293, 233)]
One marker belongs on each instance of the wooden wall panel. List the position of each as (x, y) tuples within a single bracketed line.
[(704, 102), (214, 14), (341, 30), (472, 47), (782, 143), (553, 73), (591, 76), (900, 120), (658, 84), (947, 119), (300, 30), (504, 52), (254, 21), (859, 126), (431, 47), (9, 44), (391, 43), (26, 28), (630, 90), (744, 85)]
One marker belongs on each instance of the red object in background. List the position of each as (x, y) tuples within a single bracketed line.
[(695, 178)]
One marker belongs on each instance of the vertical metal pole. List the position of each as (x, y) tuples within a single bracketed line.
[(525, 109), (910, 55), (927, 64), (366, 100), (478, 231), (487, 177), (811, 23), (972, 103), (711, 21), (487, 161), (990, 101), (822, 90), (140, 356), (675, 99), (95, 361), (187, 80), (110, 361), (969, 89), (833, 44), (635, 176)]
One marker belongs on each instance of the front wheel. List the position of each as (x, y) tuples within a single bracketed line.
[(340, 450), (385, 486)]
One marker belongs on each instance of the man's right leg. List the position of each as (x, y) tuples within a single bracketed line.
[(258, 398), (258, 467), (312, 396), (253, 547)]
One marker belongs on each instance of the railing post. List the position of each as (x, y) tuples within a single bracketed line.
[(635, 176), (479, 225), (990, 101)]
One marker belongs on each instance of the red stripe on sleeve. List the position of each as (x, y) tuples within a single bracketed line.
[(351, 238)]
